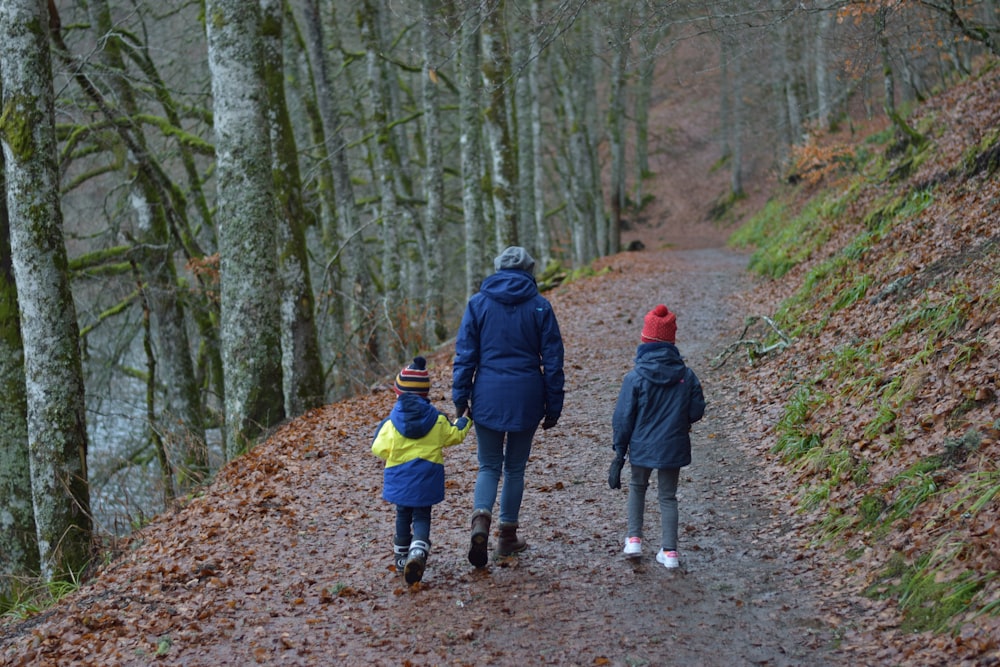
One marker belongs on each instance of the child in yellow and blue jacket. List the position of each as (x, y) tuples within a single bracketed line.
[(410, 441)]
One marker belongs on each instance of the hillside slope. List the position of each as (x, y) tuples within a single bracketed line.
[(880, 419)]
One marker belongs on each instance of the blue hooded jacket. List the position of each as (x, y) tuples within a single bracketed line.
[(410, 441), (509, 354), (659, 400)]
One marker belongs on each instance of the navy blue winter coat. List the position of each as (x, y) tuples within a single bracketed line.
[(509, 355), (659, 400), (410, 441)]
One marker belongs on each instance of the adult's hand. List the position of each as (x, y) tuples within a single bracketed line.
[(549, 422), (460, 408)]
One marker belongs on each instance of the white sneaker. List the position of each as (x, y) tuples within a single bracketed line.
[(633, 546), (670, 559)]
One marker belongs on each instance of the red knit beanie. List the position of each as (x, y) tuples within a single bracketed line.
[(660, 326), (414, 379)]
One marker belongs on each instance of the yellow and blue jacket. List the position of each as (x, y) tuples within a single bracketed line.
[(410, 441)]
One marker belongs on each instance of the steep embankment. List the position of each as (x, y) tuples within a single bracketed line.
[(881, 417)]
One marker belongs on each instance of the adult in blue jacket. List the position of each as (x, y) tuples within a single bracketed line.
[(509, 374)]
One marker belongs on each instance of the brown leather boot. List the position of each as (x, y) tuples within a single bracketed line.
[(509, 543), (480, 537)]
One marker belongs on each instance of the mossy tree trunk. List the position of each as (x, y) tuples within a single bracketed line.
[(251, 322), (302, 367), (18, 542), (57, 432)]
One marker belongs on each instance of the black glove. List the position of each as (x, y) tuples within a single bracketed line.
[(615, 473), (549, 422), (460, 408)]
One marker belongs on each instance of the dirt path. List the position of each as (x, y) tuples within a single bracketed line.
[(286, 558)]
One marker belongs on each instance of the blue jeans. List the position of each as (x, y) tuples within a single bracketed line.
[(417, 517), (666, 485), (496, 461)]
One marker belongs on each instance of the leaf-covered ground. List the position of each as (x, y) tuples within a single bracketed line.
[(285, 559)]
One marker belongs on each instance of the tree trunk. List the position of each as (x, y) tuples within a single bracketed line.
[(888, 80), (823, 22), (301, 366), (471, 147), (619, 38), (251, 326), (496, 73), (435, 327), (57, 432), (521, 105), (543, 244), (357, 289), (18, 542), (649, 41), (390, 216)]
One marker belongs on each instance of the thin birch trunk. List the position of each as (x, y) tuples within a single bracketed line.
[(57, 431), (251, 322)]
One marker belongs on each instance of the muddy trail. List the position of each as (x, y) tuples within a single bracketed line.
[(286, 558)]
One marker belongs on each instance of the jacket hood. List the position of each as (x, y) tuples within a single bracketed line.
[(509, 286), (413, 416), (659, 363)]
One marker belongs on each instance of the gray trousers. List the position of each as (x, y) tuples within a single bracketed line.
[(666, 486)]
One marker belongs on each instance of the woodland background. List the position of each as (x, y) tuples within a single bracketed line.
[(223, 214)]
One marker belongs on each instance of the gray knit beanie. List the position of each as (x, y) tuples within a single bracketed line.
[(515, 257)]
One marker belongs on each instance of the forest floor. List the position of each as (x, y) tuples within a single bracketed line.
[(286, 557)]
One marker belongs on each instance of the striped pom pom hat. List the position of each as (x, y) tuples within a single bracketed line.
[(414, 379), (660, 326)]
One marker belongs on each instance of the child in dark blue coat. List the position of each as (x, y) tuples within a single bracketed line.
[(659, 400)]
